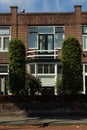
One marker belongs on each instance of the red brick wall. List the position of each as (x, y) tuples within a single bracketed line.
[(14, 22), (19, 23), (3, 57)]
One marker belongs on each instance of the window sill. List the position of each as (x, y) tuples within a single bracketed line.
[(3, 50)]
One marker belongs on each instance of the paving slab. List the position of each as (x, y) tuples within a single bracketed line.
[(43, 121)]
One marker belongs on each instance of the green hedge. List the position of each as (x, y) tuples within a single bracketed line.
[(72, 79), (73, 98)]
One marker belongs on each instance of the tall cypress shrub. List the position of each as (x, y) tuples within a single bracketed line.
[(71, 66), (16, 66)]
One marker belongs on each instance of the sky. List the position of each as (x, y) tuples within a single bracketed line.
[(42, 5)]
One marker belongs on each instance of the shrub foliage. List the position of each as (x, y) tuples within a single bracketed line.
[(16, 66), (71, 66), (59, 86), (32, 85)]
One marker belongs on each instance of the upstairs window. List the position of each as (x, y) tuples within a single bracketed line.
[(84, 32), (59, 36), (4, 38), (45, 29), (46, 37), (33, 37), (33, 30), (46, 42)]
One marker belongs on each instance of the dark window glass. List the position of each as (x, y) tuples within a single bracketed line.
[(58, 40), (46, 30), (59, 68), (46, 68), (32, 69), (59, 30), (4, 30), (40, 68), (3, 69), (84, 42), (33, 29), (84, 29), (85, 68), (5, 43), (46, 42), (32, 40), (52, 69)]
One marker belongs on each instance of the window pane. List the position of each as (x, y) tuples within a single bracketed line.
[(45, 29), (5, 43), (84, 29), (50, 42), (40, 68), (59, 68), (0, 44), (46, 42), (85, 42), (42, 40), (32, 69), (59, 30), (33, 40), (3, 69), (45, 68), (85, 68), (33, 29), (52, 69), (58, 40), (4, 30)]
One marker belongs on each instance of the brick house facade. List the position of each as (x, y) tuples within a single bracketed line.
[(42, 34)]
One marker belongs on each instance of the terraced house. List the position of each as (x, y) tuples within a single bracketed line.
[(42, 34)]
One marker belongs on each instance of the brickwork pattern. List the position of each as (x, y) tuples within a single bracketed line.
[(19, 23)]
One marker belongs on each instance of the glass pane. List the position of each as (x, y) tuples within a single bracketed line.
[(50, 42), (4, 30), (0, 44), (3, 69), (85, 42), (45, 68), (85, 68), (52, 69), (32, 69), (59, 30), (33, 29), (84, 29), (5, 43), (40, 68), (33, 40), (58, 40), (42, 42), (44, 29), (59, 68)]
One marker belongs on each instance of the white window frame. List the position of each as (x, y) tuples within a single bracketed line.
[(47, 27), (2, 36), (84, 74), (84, 49), (37, 42), (84, 34), (44, 69), (7, 68), (29, 68), (61, 43), (46, 34)]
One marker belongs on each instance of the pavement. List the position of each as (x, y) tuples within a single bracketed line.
[(11, 116), (65, 119)]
